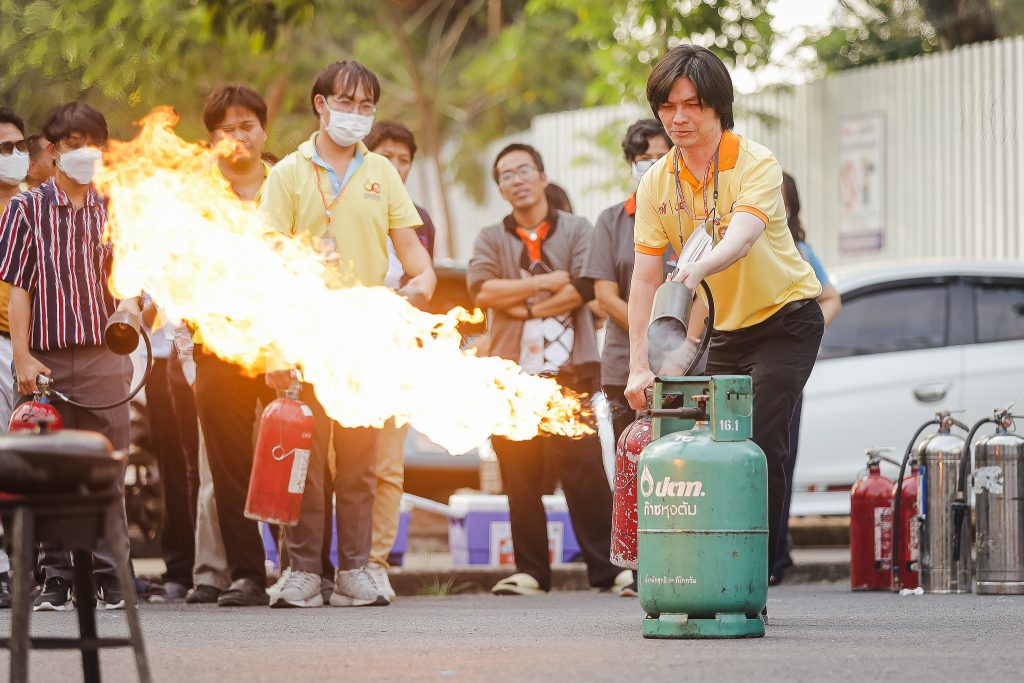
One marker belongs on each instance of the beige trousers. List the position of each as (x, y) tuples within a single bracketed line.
[(390, 478)]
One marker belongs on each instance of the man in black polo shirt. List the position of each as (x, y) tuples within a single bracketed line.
[(53, 255)]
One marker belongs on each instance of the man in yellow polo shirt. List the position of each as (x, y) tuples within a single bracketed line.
[(767, 322), (347, 201)]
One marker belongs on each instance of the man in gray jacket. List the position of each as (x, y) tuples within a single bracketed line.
[(526, 271)]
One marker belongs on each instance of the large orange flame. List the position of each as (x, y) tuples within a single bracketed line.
[(181, 234)]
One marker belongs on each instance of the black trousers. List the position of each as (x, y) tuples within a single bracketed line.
[(587, 494), (782, 559), (227, 402), (173, 437), (778, 354)]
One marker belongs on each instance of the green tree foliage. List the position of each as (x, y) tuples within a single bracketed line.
[(625, 39), (460, 73), (875, 31)]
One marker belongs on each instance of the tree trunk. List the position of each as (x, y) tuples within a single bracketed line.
[(430, 133), (493, 18)]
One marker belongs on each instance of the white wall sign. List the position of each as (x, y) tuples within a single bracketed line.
[(862, 183)]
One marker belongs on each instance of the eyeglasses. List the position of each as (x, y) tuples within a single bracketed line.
[(347, 106), (524, 172), (7, 148)]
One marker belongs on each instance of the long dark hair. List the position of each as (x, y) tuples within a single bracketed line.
[(792, 199), (706, 71)]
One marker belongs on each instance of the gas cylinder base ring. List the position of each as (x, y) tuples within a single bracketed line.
[(724, 625)]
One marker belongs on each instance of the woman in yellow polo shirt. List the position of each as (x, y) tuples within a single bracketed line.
[(767, 322)]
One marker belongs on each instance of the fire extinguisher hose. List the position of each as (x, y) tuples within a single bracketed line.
[(960, 504), (899, 497), (130, 396), (708, 329)]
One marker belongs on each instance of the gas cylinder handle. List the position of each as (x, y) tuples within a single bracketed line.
[(43, 384), (946, 419), (1003, 417), (877, 453)]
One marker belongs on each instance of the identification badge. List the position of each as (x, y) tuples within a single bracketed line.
[(329, 249)]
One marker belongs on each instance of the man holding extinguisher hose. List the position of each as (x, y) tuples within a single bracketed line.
[(767, 323)]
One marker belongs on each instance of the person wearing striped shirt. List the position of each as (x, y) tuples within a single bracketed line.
[(57, 262)]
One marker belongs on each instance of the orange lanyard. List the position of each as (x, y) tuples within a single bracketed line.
[(533, 239), (323, 197)]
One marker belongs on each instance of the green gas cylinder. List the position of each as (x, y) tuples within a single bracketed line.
[(703, 513)]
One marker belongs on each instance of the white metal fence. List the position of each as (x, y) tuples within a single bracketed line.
[(953, 155)]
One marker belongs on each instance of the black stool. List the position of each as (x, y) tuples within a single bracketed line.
[(64, 487)]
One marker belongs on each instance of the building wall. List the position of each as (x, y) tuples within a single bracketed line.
[(953, 154)]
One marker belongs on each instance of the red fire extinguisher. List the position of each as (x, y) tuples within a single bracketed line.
[(909, 552), (39, 414), (871, 529), (281, 460), (624, 513)]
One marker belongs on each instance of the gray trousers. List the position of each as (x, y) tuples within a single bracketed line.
[(354, 486), (90, 374), (211, 567)]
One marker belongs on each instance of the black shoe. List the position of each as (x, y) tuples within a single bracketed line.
[(202, 594), (244, 593), (5, 590), (55, 596), (108, 593)]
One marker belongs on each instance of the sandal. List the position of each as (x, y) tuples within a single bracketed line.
[(518, 584)]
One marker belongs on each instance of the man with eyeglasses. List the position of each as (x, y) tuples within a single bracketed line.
[(14, 163), (347, 201), (59, 307), (14, 166), (527, 272), (228, 551)]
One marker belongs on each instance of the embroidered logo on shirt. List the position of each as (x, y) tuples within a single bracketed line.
[(371, 190)]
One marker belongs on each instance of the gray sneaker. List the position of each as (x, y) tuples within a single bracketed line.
[(355, 588), (379, 574), (300, 589)]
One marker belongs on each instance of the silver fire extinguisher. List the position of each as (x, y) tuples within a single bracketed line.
[(998, 486), (945, 550)]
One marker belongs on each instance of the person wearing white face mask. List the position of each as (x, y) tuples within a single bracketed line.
[(58, 312), (610, 265), (14, 164), (346, 200)]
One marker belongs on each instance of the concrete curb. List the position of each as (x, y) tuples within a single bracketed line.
[(572, 577)]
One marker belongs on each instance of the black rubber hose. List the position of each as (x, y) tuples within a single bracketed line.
[(708, 329), (965, 458), (960, 505), (899, 497), (136, 390)]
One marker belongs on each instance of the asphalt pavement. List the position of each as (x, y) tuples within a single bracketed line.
[(815, 633)]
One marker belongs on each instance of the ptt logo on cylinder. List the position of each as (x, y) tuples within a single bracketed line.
[(668, 487)]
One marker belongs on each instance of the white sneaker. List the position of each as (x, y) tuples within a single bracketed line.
[(379, 574), (356, 588), (300, 589), (278, 585)]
